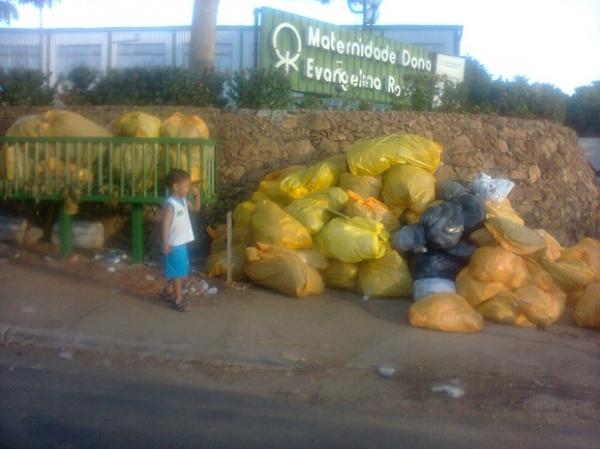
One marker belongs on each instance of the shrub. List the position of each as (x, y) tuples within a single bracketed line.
[(260, 89), (158, 85), (21, 86)]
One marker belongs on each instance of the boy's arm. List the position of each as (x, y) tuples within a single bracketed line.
[(197, 204), (166, 224)]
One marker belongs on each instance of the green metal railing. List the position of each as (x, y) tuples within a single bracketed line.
[(103, 169)]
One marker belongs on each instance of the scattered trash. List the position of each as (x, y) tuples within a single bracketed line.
[(492, 189), (97, 256), (365, 298), (27, 309), (67, 355), (150, 277), (429, 286), (386, 372), (17, 255), (212, 291), (111, 269), (454, 389)]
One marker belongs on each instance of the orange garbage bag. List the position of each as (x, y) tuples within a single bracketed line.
[(282, 270), (446, 312)]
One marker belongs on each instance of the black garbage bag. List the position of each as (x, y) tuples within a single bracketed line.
[(443, 224), (448, 190), (410, 238), (473, 209), (463, 249), (438, 264)]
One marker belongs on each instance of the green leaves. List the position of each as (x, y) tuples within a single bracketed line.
[(260, 89), (25, 87)]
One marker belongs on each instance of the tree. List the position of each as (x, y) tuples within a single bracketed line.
[(202, 40), (9, 11), (583, 109)]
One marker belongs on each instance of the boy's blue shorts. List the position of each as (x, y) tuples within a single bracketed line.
[(177, 262)]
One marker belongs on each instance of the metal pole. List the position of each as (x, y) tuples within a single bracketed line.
[(65, 233), (229, 237)]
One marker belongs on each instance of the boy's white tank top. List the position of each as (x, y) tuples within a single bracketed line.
[(180, 231)]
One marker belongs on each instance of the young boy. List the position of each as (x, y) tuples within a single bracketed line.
[(176, 234)]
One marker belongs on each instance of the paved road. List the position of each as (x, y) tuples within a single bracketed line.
[(47, 401)]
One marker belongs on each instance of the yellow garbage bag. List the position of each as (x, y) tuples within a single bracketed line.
[(588, 250), (188, 126), (313, 209), (375, 156), (482, 237), (216, 263), (495, 264), (352, 240), (502, 209), (242, 214), (363, 185), (282, 270), (136, 124), (577, 266), (269, 186), (53, 123), (313, 258), (411, 217), (130, 159), (240, 236), (271, 224), (317, 177), (341, 275), (587, 311), (504, 309), (514, 237), (553, 249), (446, 312), (408, 187), (474, 291), (541, 307), (371, 208), (386, 277), (569, 274)]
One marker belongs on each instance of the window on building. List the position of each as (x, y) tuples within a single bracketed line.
[(71, 56), (223, 56), (26, 56), (141, 55)]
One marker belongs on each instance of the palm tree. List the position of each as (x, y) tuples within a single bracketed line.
[(202, 41), (8, 8)]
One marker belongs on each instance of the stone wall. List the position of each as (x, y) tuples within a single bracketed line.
[(556, 188)]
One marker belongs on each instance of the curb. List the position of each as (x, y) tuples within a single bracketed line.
[(142, 348)]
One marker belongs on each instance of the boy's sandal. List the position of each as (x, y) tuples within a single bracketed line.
[(180, 306)]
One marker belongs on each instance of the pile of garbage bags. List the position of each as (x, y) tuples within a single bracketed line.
[(373, 220), (129, 160)]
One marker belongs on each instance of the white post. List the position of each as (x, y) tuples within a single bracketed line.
[(229, 237)]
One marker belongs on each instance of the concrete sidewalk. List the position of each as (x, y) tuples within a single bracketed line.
[(260, 328)]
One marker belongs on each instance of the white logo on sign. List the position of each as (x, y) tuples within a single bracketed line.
[(287, 60)]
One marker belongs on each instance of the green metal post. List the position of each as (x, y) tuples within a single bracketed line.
[(65, 233), (137, 232)]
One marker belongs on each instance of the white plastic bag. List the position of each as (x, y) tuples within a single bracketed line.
[(429, 286), (494, 189)]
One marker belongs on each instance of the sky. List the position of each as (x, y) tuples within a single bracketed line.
[(551, 41)]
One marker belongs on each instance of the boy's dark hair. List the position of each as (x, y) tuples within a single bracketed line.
[(176, 175)]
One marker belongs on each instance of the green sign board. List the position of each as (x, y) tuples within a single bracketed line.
[(337, 61)]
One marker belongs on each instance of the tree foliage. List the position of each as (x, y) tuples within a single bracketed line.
[(583, 109), (9, 10)]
